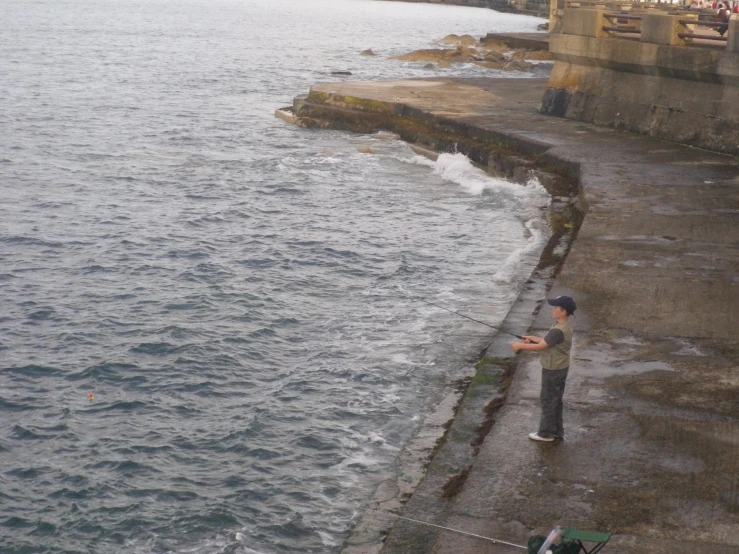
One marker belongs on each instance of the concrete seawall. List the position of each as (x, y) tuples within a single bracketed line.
[(652, 409), (647, 74)]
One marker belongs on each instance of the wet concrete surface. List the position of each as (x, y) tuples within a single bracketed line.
[(652, 403)]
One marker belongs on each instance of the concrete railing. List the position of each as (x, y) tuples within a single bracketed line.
[(654, 27), (646, 22)]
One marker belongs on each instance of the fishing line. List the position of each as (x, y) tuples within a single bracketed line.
[(462, 315), (444, 528)]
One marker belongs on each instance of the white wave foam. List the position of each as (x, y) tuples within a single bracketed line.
[(532, 196), (220, 544), (359, 460), (510, 268), (325, 160), (420, 160), (327, 539), (458, 169), (243, 549)]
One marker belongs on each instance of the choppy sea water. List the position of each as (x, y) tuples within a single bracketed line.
[(232, 291)]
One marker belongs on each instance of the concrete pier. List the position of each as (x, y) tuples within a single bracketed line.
[(652, 404)]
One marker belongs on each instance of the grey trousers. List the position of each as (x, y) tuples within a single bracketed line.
[(552, 390)]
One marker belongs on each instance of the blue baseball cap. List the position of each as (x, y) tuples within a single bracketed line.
[(564, 302)]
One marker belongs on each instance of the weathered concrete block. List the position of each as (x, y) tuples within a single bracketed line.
[(584, 22), (661, 28), (696, 112)]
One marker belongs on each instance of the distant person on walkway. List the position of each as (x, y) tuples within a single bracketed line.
[(555, 363), (724, 13)]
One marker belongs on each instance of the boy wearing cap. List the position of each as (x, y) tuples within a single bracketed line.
[(555, 363)]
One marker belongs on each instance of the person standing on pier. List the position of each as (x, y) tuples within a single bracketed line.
[(723, 15), (555, 362)]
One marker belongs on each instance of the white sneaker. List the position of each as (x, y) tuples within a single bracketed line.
[(537, 437)]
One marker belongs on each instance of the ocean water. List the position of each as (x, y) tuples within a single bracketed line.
[(236, 294)]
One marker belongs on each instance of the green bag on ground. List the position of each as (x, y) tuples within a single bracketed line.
[(564, 547)]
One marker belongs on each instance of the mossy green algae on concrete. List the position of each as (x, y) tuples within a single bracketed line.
[(329, 110), (353, 102)]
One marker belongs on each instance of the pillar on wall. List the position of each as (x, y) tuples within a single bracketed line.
[(556, 9), (733, 34), (661, 28), (584, 22)]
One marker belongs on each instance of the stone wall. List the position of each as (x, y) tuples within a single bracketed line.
[(655, 83)]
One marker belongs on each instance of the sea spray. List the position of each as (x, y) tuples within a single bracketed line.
[(530, 199), (459, 169), (512, 264)]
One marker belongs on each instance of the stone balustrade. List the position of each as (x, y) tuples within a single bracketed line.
[(656, 23), (652, 26)]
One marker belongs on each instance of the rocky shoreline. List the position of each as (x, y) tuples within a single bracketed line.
[(489, 53), (538, 8)]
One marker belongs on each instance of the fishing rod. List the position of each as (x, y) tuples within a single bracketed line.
[(444, 528), (465, 316)]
